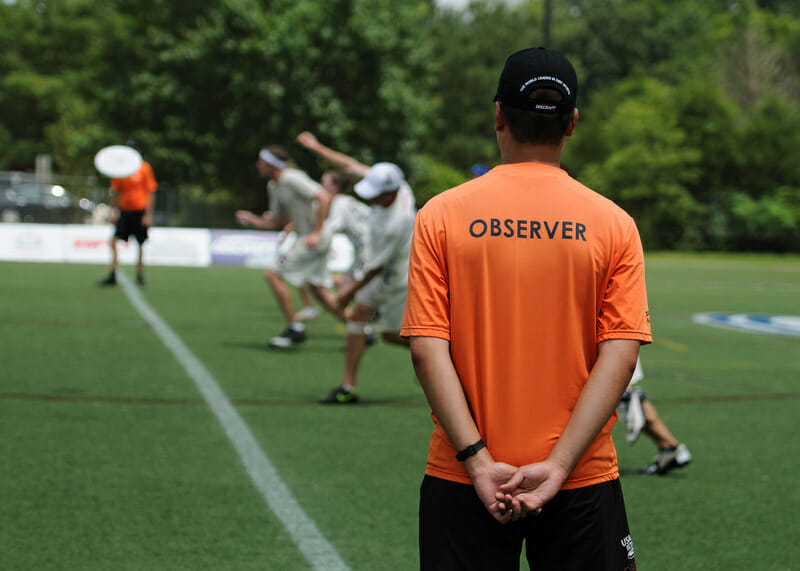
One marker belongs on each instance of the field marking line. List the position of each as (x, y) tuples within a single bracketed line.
[(313, 545)]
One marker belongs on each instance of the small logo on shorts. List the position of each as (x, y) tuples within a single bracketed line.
[(627, 545)]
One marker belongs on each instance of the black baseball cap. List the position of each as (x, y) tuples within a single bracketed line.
[(534, 68)]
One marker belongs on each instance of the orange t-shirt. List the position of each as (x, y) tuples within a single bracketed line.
[(134, 191), (524, 270)]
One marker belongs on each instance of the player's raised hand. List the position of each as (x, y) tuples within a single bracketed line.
[(307, 139)]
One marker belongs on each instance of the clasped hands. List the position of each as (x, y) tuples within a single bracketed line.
[(510, 493)]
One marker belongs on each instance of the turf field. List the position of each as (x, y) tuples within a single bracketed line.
[(113, 459)]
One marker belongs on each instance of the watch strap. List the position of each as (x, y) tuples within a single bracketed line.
[(470, 450)]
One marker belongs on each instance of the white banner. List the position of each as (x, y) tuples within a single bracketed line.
[(90, 244), (32, 242)]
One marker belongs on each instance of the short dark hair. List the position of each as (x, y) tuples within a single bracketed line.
[(537, 128), (342, 181)]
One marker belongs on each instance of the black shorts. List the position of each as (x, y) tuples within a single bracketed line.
[(580, 529), (130, 224)]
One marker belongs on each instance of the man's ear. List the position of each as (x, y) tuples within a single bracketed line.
[(572, 123), (499, 117)]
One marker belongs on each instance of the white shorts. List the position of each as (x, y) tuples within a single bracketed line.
[(389, 303), (299, 265)]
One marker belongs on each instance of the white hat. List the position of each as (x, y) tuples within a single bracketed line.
[(381, 178)]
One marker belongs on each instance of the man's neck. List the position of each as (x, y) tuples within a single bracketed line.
[(541, 154)]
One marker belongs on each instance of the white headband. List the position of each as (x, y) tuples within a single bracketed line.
[(271, 159)]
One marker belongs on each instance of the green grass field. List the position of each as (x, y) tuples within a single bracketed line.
[(113, 460)]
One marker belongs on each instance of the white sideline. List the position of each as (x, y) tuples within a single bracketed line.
[(316, 549)]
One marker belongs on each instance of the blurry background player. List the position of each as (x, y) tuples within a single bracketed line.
[(383, 286), (346, 216), (294, 198), (349, 217), (133, 197), (639, 416)]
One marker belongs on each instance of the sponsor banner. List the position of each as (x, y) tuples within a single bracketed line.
[(244, 247), (259, 249), (164, 246), (753, 323), (31, 242), (177, 247), (84, 243), (92, 245)]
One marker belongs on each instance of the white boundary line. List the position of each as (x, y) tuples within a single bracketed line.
[(316, 549)]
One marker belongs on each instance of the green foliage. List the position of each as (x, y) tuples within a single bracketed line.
[(648, 166), (471, 48), (433, 177), (684, 105), (200, 208), (770, 223)]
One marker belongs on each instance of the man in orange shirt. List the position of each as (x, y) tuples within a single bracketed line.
[(133, 197), (525, 311)]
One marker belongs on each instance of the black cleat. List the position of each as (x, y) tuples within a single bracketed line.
[(668, 459), (111, 280), (289, 338), (340, 395)]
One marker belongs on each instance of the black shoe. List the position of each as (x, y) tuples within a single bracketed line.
[(140, 279), (111, 280), (289, 338), (340, 395)]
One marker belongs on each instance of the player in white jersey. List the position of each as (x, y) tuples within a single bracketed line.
[(640, 415), (297, 199), (383, 286), (350, 217)]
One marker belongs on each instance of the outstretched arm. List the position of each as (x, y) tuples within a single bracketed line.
[(340, 160), (267, 221), (437, 375), (534, 485)]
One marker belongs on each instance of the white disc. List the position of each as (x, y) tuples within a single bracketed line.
[(117, 161)]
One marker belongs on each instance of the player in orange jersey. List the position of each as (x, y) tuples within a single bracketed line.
[(134, 198), (526, 308)]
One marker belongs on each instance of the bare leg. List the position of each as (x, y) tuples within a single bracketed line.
[(114, 257), (354, 347), (655, 428), (328, 300), (305, 295), (282, 293), (140, 261)]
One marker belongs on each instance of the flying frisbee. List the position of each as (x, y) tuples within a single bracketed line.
[(117, 161)]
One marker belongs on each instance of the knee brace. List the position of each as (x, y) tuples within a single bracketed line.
[(357, 327)]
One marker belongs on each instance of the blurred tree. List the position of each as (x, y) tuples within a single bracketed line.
[(647, 166), (611, 39), (471, 47), (689, 109)]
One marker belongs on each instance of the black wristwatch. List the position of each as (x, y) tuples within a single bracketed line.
[(470, 451)]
